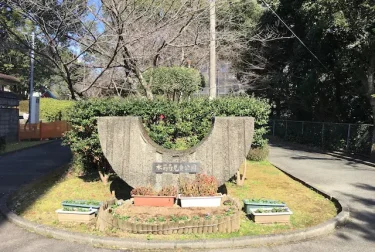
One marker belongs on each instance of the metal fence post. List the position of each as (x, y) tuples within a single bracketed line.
[(302, 128), (273, 128), (348, 139), (323, 135), (286, 128)]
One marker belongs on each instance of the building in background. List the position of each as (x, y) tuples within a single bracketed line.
[(226, 80), (8, 109)]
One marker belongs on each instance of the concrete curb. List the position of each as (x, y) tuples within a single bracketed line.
[(29, 147), (350, 158), (238, 242)]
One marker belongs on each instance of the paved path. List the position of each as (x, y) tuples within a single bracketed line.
[(351, 183), (22, 167)]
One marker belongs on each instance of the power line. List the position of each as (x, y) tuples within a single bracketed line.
[(269, 7)]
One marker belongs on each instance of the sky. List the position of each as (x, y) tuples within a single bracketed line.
[(97, 4)]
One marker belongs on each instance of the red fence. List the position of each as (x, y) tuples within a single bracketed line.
[(43, 130)]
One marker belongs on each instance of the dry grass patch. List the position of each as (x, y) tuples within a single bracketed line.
[(38, 202)]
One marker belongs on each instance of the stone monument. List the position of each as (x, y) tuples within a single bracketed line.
[(139, 161)]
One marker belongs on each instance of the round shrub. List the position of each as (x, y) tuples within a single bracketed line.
[(174, 82), (258, 153)]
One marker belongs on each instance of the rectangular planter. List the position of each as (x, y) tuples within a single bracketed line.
[(268, 218), (207, 201), (75, 216), (79, 204), (167, 201), (255, 205)]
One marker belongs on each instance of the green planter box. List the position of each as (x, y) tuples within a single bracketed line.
[(261, 203), (82, 203)]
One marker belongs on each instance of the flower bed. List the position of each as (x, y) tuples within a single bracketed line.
[(146, 196), (271, 215), (200, 192), (261, 203), (76, 214), (81, 203), (225, 222), (209, 201)]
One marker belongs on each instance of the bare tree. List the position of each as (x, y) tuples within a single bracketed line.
[(105, 49)]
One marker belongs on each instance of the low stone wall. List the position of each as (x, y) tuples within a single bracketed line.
[(228, 224)]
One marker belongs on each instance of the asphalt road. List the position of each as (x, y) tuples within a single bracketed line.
[(23, 167), (352, 183)]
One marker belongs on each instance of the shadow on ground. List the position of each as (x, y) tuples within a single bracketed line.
[(121, 188), (274, 142), (32, 165), (362, 220)]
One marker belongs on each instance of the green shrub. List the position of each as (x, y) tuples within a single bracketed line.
[(172, 125), (50, 109), (174, 82), (258, 153)]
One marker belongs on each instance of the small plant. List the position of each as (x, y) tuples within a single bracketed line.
[(173, 218), (195, 217), (183, 218), (262, 201), (76, 209), (143, 191), (82, 202), (228, 212), (124, 217), (148, 191), (227, 203), (161, 219), (202, 185), (151, 220), (273, 210), (168, 191)]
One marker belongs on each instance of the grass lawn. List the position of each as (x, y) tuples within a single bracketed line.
[(38, 202), (20, 145)]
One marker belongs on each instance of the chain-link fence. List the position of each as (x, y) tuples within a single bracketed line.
[(354, 138)]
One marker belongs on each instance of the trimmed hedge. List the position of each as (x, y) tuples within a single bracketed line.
[(172, 125), (50, 109), (258, 153)]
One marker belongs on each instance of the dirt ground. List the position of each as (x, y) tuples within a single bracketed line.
[(145, 212)]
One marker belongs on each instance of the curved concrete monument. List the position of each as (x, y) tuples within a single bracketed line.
[(139, 161)]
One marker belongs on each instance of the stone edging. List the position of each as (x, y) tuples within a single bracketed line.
[(237, 242)]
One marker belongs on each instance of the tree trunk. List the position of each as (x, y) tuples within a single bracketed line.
[(244, 173), (372, 156), (239, 181), (371, 93), (103, 177)]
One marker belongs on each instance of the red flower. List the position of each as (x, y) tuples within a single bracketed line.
[(161, 117)]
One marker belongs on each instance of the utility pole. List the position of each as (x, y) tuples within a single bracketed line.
[(31, 75), (212, 49)]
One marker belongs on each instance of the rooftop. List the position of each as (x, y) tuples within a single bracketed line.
[(8, 80)]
